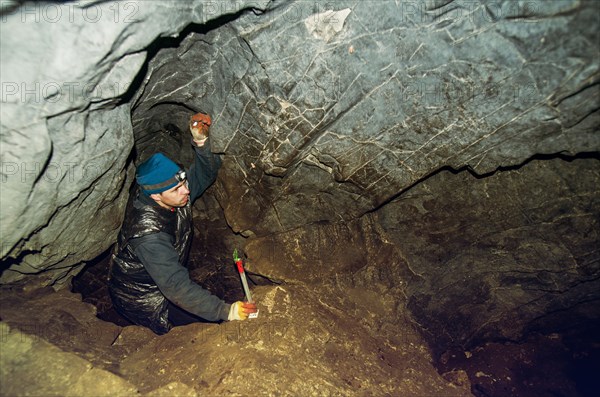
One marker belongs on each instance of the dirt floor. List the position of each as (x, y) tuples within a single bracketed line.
[(300, 345), (324, 338)]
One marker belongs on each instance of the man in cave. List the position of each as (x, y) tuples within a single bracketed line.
[(148, 282)]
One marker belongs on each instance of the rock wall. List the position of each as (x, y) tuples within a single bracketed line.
[(501, 257), (68, 73), (331, 123), (337, 111), (327, 115), (473, 259)]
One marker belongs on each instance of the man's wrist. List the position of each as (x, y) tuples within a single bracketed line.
[(199, 142), (225, 309)]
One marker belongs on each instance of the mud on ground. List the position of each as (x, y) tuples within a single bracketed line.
[(303, 344)]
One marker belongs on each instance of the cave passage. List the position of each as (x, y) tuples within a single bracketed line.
[(496, 362), (415, 188), (457, 240)]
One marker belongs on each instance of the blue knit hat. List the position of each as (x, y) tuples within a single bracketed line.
[(157, 174)]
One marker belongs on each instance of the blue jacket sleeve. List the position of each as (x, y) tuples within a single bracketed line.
[(204, 170), (162, 263)]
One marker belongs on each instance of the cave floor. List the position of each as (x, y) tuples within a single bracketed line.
[(541, 366), (302, 344)]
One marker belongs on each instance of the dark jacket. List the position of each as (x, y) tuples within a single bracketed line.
[(147, 265)]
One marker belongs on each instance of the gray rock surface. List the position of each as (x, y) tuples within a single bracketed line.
[(66, 137), (334, 120), (342, 111), (339, 108)]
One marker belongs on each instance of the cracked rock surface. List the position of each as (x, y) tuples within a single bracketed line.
[(337, 109), (342, 111), (408, 169), (68, 72)]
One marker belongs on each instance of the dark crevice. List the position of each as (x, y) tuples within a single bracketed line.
[(591, 82), (584, 117), (174, 42), (537, 157), (8, 262), (92, 283), (261, 279)]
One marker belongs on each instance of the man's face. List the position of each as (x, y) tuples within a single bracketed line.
[(177, 196)]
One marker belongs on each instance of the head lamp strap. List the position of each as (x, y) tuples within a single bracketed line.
[(180, 176)]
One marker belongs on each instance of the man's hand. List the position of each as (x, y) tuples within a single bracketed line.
[(199, 126), (240, 310)]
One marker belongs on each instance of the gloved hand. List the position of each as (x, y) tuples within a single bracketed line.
[(240, 310), (199, 126)]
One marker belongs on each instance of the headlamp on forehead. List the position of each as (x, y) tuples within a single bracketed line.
[(180, 176)]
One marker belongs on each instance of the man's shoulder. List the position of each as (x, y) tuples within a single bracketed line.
[(146, 219)]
